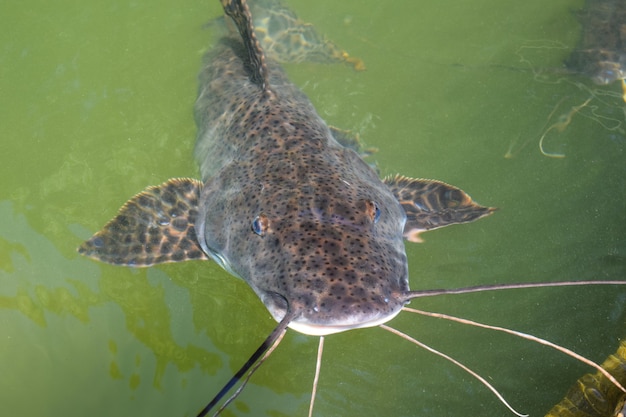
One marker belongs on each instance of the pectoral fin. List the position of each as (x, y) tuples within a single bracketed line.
[(431, 204), (351, 140), (155, 226)]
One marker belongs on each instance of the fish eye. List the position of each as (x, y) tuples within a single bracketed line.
[(376, 213), (371, 210), (260, 224)]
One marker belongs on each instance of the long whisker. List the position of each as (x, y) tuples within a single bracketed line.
[(277, 333), (318, 365), (252, 370), (457, 363), (563, 122), (480, 288), (524, 336)]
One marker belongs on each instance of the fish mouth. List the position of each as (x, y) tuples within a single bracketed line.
[(316, 329), (309, 321)]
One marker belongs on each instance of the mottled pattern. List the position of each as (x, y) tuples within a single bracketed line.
[(155, 226), (322, 254), (283, 204), (430, 204), (286, 38), (332, 246), (594, 395), (601, 53)]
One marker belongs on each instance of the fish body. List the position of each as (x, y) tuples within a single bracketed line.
[(284, 202), (331, 245), (601, 53)]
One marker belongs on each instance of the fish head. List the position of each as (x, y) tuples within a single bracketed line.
[(607, 72), (325, 243)]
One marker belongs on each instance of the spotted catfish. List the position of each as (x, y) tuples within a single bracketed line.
[(601, 53), (283, 203)]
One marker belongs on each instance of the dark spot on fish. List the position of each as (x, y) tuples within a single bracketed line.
[(166, 248), (180, 223)]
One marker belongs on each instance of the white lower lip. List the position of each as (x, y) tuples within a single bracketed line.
[(323, 330)]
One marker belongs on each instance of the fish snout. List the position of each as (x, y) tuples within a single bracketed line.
[(331, 294)]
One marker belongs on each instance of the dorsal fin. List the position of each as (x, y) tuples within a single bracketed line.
[(239, 11)]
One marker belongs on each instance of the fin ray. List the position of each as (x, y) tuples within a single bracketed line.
[(155, 226), (431, 204), (240, 13)]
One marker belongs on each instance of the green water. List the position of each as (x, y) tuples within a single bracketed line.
[(96, 105)]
